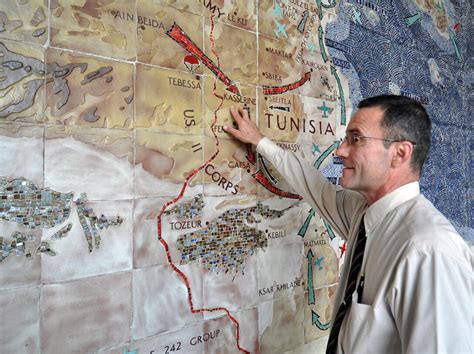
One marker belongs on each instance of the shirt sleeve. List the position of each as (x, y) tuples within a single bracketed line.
[(432, 303), (336, 205)]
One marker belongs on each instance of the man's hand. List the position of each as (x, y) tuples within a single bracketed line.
[(247, 131)]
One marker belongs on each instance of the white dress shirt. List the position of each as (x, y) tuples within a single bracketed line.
[(418, 294)]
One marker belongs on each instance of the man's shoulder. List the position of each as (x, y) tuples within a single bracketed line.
[(422, 214), (430, 231)]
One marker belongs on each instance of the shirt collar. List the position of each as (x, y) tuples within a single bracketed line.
[(384, 205)]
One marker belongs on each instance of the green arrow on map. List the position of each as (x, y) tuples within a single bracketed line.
[(320, 10), (452, 36), (315, 321), (341, 93), (329, 230), (311, 299), (330, 5), (321, 44), (413, 19), (325, 154), (305, 226), (440, 7)]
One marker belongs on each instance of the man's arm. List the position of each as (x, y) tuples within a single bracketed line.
[(334, 204)]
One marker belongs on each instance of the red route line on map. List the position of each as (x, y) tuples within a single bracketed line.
[(178, 35), (276, 90), (250, 154), (260, 177), (180, 195)]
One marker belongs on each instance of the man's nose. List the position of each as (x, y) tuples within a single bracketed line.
[(342, 150)]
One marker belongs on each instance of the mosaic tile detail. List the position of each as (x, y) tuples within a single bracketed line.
[(17, 245), (190, 209), (45, 247), (91, 223), (22, 202), (62, 232), (223, 244)]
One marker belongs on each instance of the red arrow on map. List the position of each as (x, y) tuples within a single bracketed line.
[(179, 36), (276, 90)]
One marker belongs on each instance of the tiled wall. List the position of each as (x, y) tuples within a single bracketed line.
[(130, 221)]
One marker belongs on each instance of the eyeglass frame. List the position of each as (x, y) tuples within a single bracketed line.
[(350, 139)]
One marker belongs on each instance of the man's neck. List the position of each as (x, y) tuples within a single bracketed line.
[(388, 187)]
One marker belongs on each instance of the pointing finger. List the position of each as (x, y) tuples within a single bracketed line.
[(232, 131), (236, 114), (244, 113)]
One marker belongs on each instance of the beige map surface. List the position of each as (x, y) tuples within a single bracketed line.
[(25, 20), (154, 46), (22, 82), (106, 28), (83, 90), (178, 108)]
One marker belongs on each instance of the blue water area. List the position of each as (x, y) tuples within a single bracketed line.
[(389, 54)]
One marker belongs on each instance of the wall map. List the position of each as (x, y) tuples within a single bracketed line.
[(131, 222)]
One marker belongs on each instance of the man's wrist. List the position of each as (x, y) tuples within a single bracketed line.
[(265, 145), (257, 141)]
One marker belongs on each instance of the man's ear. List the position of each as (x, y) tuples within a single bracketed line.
[(403, 150)]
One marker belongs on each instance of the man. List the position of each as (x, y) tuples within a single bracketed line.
[(411, 290)]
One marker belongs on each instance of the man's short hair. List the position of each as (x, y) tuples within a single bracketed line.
[(404, 119)]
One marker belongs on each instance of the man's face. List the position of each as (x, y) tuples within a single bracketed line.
[(366, 162)]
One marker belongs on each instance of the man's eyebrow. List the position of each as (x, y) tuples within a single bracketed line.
[(353, 131)]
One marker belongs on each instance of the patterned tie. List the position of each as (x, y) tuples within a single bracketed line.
[(356, 264)]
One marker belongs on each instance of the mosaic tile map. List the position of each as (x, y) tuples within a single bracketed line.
[(130, 222)]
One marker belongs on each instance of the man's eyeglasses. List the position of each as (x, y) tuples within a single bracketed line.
[(354, 139)]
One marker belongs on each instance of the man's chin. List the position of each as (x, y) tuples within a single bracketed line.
[(350, 186), (344, 183)]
